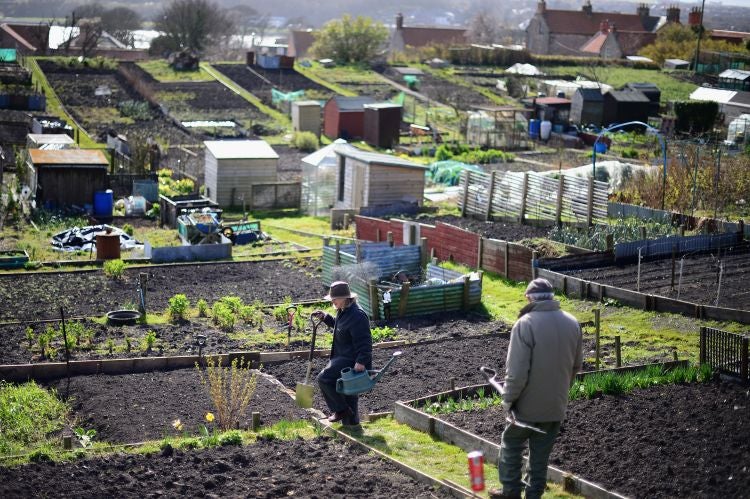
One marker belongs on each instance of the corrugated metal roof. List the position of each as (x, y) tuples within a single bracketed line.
[(377, 158), (713, 94), (735, 74), (81, 157), (51, 138), (240, 149), (352, 103)]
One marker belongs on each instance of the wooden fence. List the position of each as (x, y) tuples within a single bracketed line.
[(533, 198), (449, 243), (725, 351)]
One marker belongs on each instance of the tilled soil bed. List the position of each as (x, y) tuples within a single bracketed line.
[(34, 296), (504, 231), (180, 339), (132, 408), (666, 441), (321, 468)]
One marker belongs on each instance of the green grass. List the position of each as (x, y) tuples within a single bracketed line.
[(30, 418), (429, 455), (162, 72), (671, 88)]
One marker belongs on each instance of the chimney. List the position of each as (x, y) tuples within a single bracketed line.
[(643, 10), (587, 8), (673, 14), (541, 7), (604, 26), (694, 16), (399, 21)]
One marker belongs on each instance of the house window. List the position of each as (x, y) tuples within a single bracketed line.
[(342, 177)]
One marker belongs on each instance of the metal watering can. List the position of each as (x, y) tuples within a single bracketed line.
[(352, 382)]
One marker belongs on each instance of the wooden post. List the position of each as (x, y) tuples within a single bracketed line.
[(465, 298), (597, 313), (533, 265), (744, 359), (377, 234), (741, 229), (590, 210), (403, 299), (67, 442), (326, 241), (507, 265), (524, 193), (488, 212), (702, 347), (682, 230), (558, 209), (255, 421), (423, 254), (569, 483), (433, 258), (337, 259), (465, 196), (142, 278), (412, 234), (374, 300), (610, 242), (346, 221), (453, 383), (480, 251), (618, 352), (357, 251), (674, 260), (389, 238), (642, 231)]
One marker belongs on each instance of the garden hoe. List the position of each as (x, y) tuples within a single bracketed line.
[(304, 393), (490, 375)]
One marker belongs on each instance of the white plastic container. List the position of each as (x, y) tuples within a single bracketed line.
[(544, 129)]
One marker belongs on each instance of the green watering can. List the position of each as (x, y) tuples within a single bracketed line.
[(352, 382)]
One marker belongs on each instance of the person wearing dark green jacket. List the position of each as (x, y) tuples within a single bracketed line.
[(352, 347)]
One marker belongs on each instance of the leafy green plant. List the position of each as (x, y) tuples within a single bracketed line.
[(231, 437), (178, 307), (305, 141), (223, 316), (85, 437), (202, 308), (233, 302), (231, 388), (128, 229), (110, 345), (137, 110), (30, 336), (279, 311), (128, 343), (114, 268), (149, 340), (383, 333)]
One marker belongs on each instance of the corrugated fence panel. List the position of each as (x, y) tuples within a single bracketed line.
[(663, 246), (390, 260), (462, 246)]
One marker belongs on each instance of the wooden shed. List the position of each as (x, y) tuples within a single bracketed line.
[(375, 183), (344, 117), (233, 167), (67, 176), (382, 124), (587, 106), (651, 91), (306, 116), (621, 106)]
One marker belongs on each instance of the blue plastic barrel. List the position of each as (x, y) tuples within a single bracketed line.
[(600, 147), (4, 101), (103, 203), (534, 129)]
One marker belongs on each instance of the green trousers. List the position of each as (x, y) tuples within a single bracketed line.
[(513, 444)]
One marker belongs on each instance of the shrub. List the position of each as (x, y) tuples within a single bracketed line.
[(230, 389), (149, 340), (233, 302), (305, 141), (202, 308), (128, 229), (114, 268), (384, 333), (178, 307), (223, 316), (232, 437)]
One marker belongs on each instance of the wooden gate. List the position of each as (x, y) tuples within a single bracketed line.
[(725, 351)]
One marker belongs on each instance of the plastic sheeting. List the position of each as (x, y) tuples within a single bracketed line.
[(84, 238)]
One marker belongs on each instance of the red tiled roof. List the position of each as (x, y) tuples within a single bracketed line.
[(551, 101), (723, 33), (422, 36), (577, 22), (595, 44)]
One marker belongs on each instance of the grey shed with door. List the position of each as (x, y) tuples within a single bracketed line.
[(234, 166), (587, 106), (306, 116), (377, 181)]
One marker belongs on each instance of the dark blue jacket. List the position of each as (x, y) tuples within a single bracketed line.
[(351, 336)]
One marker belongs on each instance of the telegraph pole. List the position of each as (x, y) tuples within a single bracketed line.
[(700, 35)]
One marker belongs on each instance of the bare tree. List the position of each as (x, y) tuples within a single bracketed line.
[(194, 24), (120, 22), (484, 28)]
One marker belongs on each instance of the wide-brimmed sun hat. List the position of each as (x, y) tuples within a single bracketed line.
[(339, 289)]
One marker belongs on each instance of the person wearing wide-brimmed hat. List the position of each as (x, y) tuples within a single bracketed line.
[(545, 353), (352, 347)]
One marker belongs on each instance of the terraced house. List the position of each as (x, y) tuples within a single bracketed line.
[(609, 35)]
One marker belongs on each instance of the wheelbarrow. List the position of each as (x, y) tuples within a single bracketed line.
[(491, 376), (352, 382)]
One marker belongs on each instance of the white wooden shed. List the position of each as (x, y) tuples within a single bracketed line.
[(233, 167), (376, 181)]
